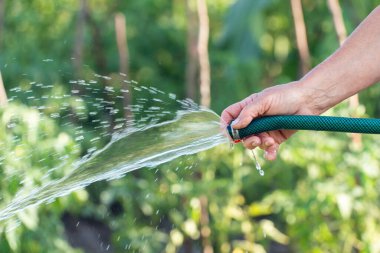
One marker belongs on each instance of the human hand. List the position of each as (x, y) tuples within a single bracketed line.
[(284, 99)]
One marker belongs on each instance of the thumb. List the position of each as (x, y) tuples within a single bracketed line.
[(246, 115)]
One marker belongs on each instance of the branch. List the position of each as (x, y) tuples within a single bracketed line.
[(204, 62), (192, 53), (337, 15), (79, 38), (3, 94), (122, 46), (205, 228), (301, 36)]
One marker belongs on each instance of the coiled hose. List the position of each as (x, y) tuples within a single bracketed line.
[(306, 122)]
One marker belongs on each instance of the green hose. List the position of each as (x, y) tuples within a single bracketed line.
[(306, 122)]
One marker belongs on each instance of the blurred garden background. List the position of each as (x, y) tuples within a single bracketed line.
[(321, 195)]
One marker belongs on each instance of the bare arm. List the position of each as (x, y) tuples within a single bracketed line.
[(353, 67)]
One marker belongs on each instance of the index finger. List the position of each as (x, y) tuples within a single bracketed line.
[(231, 113)]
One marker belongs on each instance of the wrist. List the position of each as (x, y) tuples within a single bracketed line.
[(315, 98)]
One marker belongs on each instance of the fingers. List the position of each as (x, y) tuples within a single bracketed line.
[(252, 142), (265, 142), (271, 152), (269, 145), (253, 107), (231, 113), (245, 117), (242, 113)]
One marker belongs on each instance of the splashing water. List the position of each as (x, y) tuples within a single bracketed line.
[(191, 131), (164, 128)]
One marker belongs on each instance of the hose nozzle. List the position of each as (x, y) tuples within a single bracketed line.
[(234, 134)]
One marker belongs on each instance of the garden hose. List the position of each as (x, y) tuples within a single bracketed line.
[(306, 122)]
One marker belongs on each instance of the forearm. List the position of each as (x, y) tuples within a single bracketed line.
[(353, 67)]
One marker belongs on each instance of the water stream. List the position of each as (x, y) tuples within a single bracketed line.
[(161, 129), (192, 130)]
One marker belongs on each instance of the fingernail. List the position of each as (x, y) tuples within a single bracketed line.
[(234, 122), (255, 143), (270, 155)]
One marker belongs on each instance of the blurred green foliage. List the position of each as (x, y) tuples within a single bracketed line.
[(321, 195), (31, 146)]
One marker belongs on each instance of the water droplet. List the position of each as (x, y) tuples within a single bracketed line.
[(258, 166), (109, 89), (11, 125), (79, 138), (54, 115)]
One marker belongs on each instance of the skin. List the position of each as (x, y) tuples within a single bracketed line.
[(352, 68)]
